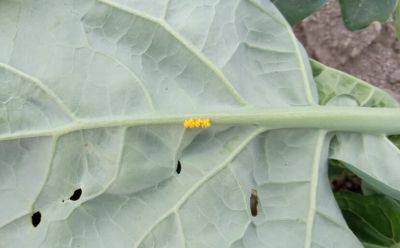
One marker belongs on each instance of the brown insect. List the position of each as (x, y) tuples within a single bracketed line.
[(254, 203)]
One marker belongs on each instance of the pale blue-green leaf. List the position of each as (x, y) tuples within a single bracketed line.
[(332, 82), (372, 157), (92, 97)]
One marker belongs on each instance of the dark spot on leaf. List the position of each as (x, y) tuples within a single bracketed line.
[(36, 217), (76, 195), (179, 167), (254, 203)]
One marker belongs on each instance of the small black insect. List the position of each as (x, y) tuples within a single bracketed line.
[(36, 217), (178, 167), (76, 195), (254, 203)]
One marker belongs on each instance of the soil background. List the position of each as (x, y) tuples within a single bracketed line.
[(372, 54)]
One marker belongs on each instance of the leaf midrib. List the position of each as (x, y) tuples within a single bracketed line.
[(352, 119)]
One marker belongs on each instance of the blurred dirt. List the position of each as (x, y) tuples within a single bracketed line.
[(372, 54), (346, 182)]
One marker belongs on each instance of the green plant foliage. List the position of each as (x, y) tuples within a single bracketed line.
[(396, 18), (369, 216), (332, 83), (358, 14), (395, 139), (336, 169), (296, 10), (93, 151), (375, 219)]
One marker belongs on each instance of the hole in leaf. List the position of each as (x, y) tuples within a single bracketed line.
[(179, 167), (76, 195), (254, 203), (36, 217)]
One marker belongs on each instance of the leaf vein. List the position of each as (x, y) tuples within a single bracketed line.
[(197, 185), (186, 44), (43, 87)]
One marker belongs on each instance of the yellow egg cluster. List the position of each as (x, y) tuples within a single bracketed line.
[(197, 123)]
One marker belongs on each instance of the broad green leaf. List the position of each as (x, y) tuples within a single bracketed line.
[(396, 19), (395, 139), (336, 169), (296, 10), (368, 215), (93, 95), (364, 154), (358, 14), (375, 219), (332, 83)]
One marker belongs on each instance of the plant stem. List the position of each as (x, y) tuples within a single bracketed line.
[(352, 119)]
